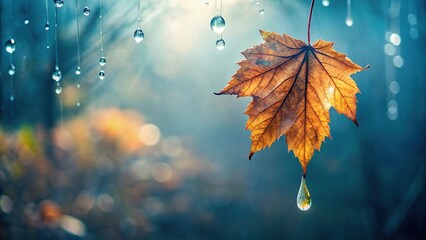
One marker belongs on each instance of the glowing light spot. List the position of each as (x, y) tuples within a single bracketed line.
[(389, 49), (105, 202), (398, 61), (162, 172), (149, 134), (394, 87), (6, 204), (73, 225), (395, 39)]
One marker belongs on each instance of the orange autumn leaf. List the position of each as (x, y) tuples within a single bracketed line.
[(293, 86)]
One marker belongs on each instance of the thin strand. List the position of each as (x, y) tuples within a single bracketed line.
[(78, 33), (102, 28), (47, 26), (56, 38), (309, 22)]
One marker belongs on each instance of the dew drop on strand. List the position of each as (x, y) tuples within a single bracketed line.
[(58, 3), (12, 98), (349, 21), (102, 61), (57, 75), (58, 89), (102, 74), (11, 70), (138, 35), (217, 24), (220, 44), (325, 3), (86, 11), (78, 71), (78, 85), (10, 45), (47, 26), (26, 21), (304, 200), (261, 11)]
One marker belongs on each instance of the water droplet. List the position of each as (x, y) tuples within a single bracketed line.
[(138, 35), (10, 45), (261, 11), (26, 21), (257, 2), (349, 21), (58, 3), (102, 61), (78, 104), (78, 85), (86, 11), (47, 26), (47, 46), (220, 44), (11, 70), (57, 75), (217, 24), (304, 200), (325, 3), (102, 74), (58, 89), (78, 71), (12, 98)]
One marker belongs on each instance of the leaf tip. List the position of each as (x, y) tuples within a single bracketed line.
[(251, 155), (356, 122)]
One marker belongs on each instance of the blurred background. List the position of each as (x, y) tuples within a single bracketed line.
[(150, 153)]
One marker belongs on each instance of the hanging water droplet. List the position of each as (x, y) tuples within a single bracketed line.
[(325, 3), (86, 11), (220, 44), (78, 71), (10, 45), (57, 75), (138, 35), (102, 61), (47, 26), (349, 21), (102, 74), (11, 70), (58, 89), (58, 3), (26, 21), (47, 46), (217, 24), (261, 11), (304, 200), (12, 98)]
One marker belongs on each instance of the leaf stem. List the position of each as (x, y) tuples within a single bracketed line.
[(309, 22)]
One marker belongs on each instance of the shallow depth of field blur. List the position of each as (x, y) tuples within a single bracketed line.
[(152, 153)]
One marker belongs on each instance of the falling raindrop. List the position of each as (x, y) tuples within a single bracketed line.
[(57, 75), (11, 70), (304, 200), (217, 24), (78, 71), (349, 21), (26, 21), (220, 44), (58, 3), (138, 35), (102, 61), (325, 3), (10, 46), (58, 89), (101, 74), (86, 11), (261, 11)]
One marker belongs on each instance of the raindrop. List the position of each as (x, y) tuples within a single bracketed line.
[(57, 75), (10, 45), (261, 11), (26, 21), (217, 24), (102, 74), (349, 22), (11, 70), (78, 71), (102, 61), (47, 26), (138, 35), (325, 3), (58, 3), (304, 200), (86, 11), (220, 44), (58, 89)]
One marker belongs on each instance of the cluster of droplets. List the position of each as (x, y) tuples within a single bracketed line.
[(217, 24), (138, 35), (10, 48), (261, 10)]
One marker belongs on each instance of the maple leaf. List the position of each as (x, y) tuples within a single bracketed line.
[(293, 86)]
